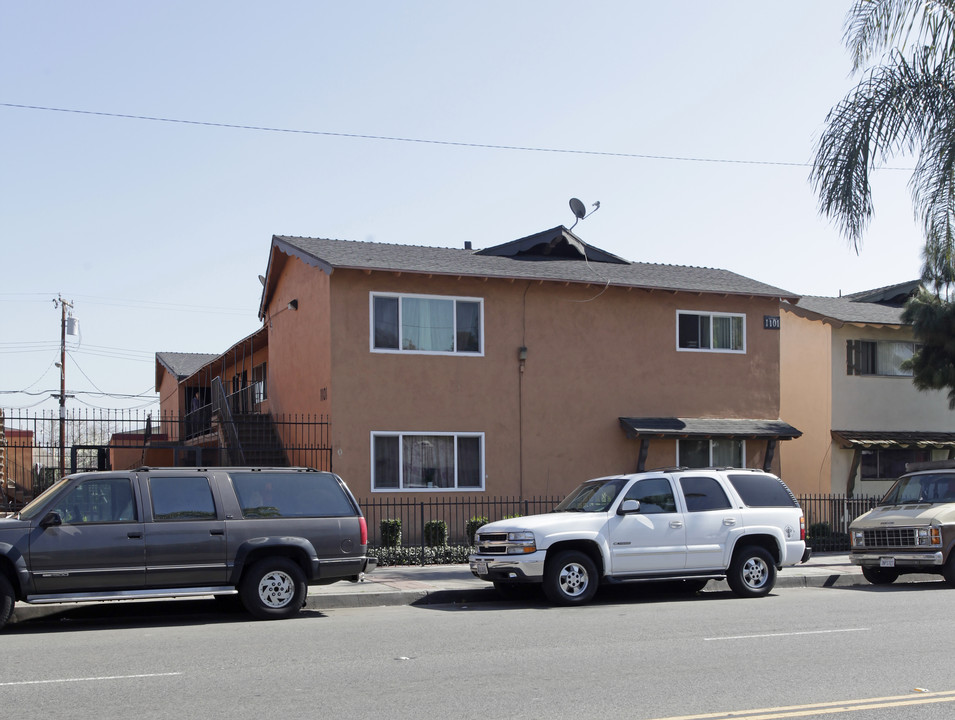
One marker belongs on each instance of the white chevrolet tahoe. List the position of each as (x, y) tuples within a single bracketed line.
[(913, 528), (676, 524)]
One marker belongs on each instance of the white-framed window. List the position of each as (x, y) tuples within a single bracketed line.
[(426, 462), (879, 357), (711, 452), (710, 332), (429, 324)]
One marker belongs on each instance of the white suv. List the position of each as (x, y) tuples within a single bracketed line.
[(676, 524)]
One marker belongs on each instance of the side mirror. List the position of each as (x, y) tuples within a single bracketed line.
[(628, 507), (51, 519)]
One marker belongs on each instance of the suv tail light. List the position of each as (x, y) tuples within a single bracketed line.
[(364, 530), (802, 528)]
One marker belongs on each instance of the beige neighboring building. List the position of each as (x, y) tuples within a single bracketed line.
[(861, 416)]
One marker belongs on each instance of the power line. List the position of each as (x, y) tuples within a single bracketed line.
[(389, 138)]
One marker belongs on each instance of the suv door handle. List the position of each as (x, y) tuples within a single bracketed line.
[(134, 535), (217, 532), (676, 523), (729, 521)]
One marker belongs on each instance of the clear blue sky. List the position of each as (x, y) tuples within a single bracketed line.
[(157, 231)]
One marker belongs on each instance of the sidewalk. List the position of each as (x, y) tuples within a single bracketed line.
[(446, 584), (435, 584)]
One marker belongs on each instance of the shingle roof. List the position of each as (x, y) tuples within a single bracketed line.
[(345, 254), (182, 365), (847, 310)]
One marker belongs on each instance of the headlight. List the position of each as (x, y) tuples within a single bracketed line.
[(858, 538), (929, 536), (521, 542)]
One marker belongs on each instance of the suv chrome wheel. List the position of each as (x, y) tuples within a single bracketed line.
[(752, 572), (273, 588), (570, 578)]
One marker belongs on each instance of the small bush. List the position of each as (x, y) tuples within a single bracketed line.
[(472, 527), (435, 533), (820, 530), (390, 533)]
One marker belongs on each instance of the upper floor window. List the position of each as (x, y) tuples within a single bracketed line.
[(430, 462), (427, 324), (711, 332), (878, 357)]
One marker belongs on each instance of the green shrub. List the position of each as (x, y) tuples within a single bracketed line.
[(820, 530), (472, 527), (435, 533), (446, 555), (390, 533)]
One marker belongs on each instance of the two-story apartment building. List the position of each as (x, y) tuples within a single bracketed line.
[(517, 369), (843, 385)]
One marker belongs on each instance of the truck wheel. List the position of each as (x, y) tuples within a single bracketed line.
[(7, 599), (570, 578), (273, 588), (752, 573), (880, 576), (948, 570)]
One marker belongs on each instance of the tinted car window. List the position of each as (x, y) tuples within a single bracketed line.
[(703, 493), (269, 495), (97, 501), (655, 496), (762, 491), (182, 498)]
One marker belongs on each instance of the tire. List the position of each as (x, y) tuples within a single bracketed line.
[(880, 576), (273, 588), (7, 600), (570, 578), (752, 572), (948, 570)]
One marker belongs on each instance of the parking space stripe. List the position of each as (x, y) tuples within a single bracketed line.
[(87, 679)]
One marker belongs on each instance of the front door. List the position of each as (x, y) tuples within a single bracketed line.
[(652, 539), (98, 547)]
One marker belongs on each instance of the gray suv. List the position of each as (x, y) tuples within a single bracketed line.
[(263, 534)]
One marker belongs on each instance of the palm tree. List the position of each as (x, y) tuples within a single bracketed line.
[(904, 105)]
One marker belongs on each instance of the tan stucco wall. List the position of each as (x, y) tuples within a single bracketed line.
[(806, 402), (299, 355), (593, 355)]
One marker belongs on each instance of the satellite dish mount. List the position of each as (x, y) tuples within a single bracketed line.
[(580, 211)]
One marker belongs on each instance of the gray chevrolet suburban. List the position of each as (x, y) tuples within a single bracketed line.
[(263, 534)]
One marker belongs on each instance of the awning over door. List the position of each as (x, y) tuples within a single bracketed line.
[(708, 427), (646, 428), (864, 439)]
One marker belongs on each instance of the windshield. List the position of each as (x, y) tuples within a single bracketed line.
[(33, 507), (927, 488), (592, 496)]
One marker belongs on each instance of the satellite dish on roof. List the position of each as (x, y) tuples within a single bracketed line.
[(577, 208)]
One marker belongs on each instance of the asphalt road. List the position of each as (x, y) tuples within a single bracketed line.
[(866, 652)]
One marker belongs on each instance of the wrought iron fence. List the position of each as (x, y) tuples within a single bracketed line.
[(828, 518), (456, 513), (32, 458)]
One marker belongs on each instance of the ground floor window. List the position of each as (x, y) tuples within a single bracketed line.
[(879, 464), (427, 462), (711, 452)]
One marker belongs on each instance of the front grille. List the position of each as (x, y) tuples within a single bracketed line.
[(890, 537), (491, 543)]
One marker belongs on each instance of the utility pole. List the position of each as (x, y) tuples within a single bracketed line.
[(63, 305)]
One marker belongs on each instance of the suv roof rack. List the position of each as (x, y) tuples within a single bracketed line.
[(929, 465)]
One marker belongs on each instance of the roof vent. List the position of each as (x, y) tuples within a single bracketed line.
[(467, 244)]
